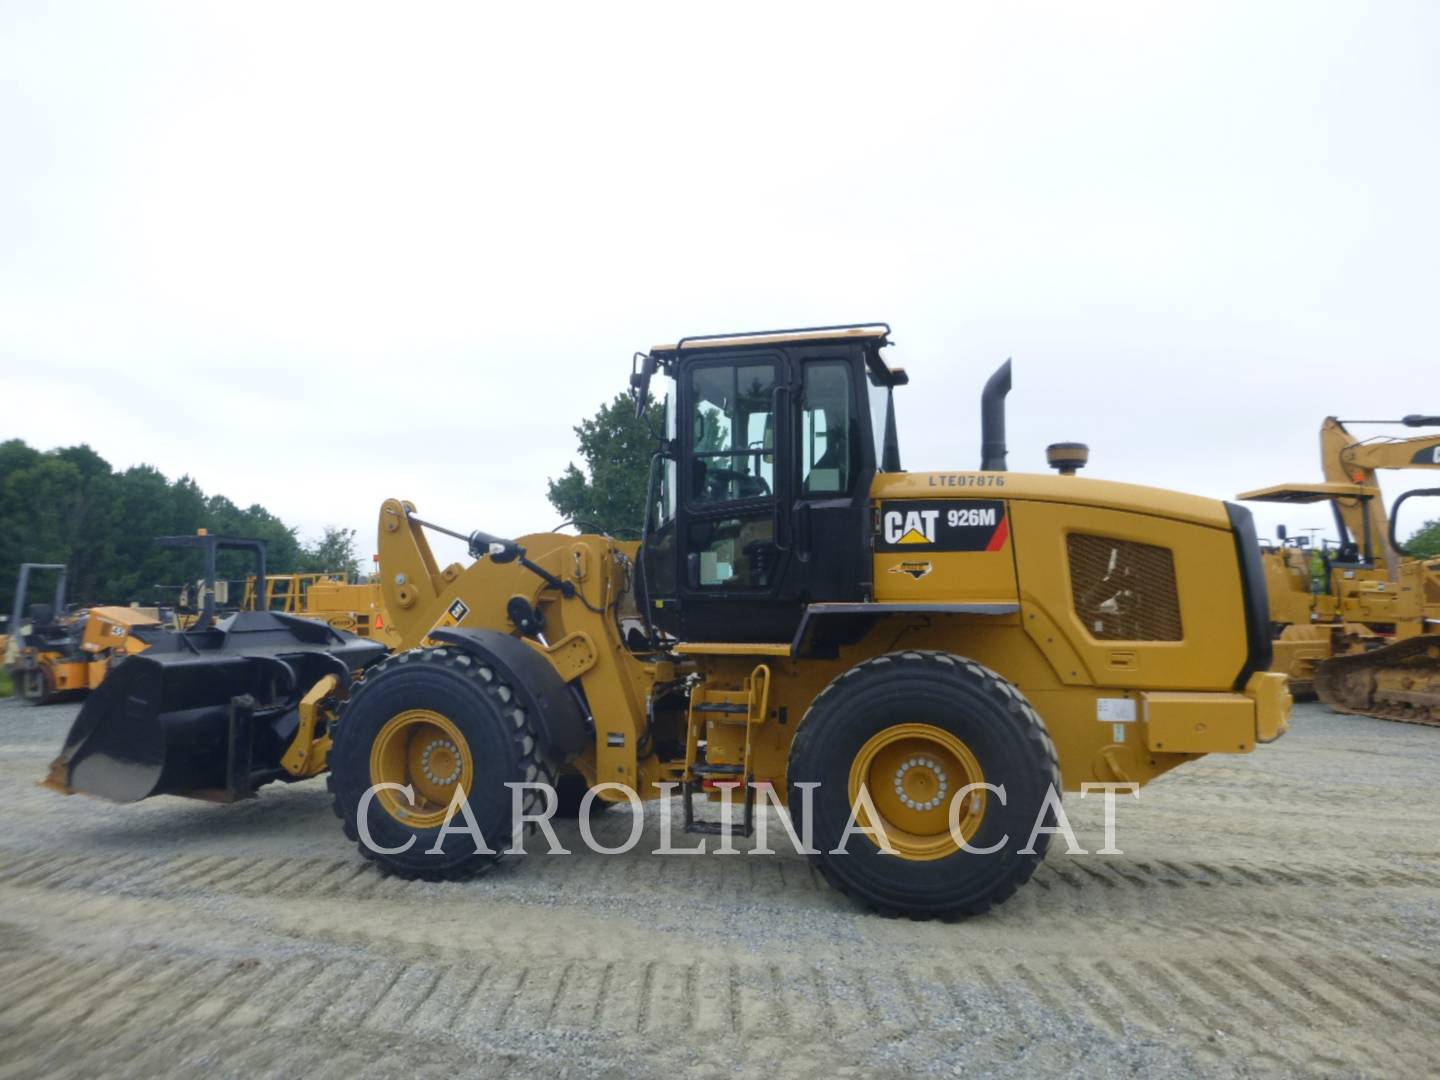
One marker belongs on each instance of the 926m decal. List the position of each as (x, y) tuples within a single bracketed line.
[(917, 525)]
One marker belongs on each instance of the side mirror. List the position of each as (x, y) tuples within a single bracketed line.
[(1420, 534), (642, 366), (1281, 532)]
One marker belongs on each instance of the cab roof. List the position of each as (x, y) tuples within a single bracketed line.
[(1309, 493), (876, 335)]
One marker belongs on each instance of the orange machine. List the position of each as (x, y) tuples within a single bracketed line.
[(52, 655)]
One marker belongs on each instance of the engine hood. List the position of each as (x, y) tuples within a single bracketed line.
[(1043, 487)]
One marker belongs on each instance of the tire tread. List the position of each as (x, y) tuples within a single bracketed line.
[(993, 684), (488, 680)]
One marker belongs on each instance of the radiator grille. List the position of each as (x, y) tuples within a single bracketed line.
[(1124, 591)]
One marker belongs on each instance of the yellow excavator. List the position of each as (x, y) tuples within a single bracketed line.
[(914, 664), (1367, 638)]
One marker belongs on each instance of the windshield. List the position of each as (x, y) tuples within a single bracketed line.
[(665, 497), (659, 553)]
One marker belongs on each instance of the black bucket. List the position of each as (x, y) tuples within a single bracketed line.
[(207, 714)]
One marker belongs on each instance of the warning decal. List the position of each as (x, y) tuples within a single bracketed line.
[(922, 525), (454, 616)]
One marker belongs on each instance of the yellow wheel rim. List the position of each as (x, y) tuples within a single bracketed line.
[(425, 751), (913, 772)]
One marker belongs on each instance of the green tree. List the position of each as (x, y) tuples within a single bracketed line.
[(38, 502), (609, 493), (1426, 540), (282, 549), (92, 530), (142, 498), (14, 455), (69, 506), (334, 551)]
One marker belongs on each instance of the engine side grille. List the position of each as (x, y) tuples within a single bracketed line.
[(1124, 591), (1432, 589)]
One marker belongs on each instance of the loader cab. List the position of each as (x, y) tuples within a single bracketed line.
[(761, 491)]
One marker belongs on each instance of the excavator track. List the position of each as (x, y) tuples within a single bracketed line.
[(1394, 682)]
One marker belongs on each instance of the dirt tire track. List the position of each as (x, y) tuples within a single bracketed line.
[(248, 940)]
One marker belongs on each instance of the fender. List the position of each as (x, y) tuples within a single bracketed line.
[(557, 716), (825, 625)]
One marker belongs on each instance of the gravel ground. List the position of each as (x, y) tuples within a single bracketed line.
[(1274, 914)]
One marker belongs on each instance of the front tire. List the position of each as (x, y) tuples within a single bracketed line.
[(36, 686), (436, 720), (915, 728)]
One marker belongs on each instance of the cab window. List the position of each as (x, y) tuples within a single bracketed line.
[(733, 432), (828, 428), (734, 552)]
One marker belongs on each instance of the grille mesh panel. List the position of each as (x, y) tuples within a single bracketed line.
[(1124, 591)]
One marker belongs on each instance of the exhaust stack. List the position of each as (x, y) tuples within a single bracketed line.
[(992, 420)]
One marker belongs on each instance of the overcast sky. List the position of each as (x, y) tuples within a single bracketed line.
[(319, 256)]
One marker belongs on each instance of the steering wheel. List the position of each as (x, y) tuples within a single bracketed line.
[(747, 485)]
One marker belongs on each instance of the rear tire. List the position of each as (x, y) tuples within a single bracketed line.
[(470, 715), (981, 729)]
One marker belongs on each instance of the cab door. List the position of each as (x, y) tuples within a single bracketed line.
[(833, 465), (733, 551)]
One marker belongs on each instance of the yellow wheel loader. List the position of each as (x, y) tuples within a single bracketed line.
[(1368, 641), (330, 597), (354, 606), (913, 663)]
